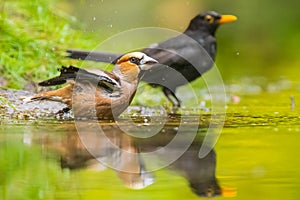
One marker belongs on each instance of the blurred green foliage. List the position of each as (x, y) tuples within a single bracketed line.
[(33, 37)]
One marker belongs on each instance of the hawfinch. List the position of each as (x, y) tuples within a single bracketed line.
[(93, 93)]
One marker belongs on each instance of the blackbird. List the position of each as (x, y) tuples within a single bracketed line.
[(184, 57)]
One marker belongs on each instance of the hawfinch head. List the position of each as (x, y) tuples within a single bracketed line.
[(130, 65)]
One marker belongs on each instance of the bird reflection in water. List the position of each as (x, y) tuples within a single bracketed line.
[(121, 152)]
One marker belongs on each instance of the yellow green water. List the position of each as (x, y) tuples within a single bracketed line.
[(256, 156)]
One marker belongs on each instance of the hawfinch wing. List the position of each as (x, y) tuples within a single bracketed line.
[(104, 79)]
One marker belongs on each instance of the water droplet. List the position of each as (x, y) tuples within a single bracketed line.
[(202, 104), (40, 9)]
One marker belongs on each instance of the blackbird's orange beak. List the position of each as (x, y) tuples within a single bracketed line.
[(227, 18)]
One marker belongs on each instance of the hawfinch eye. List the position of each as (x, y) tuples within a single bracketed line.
[(134, 60)]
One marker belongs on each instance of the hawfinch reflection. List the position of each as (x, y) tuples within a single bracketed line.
[(95, 93)]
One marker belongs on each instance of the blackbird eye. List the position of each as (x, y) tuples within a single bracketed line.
[(209, 19), (134, 60)]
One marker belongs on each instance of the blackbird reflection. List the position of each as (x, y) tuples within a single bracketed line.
[(201, 173), (120, 151)]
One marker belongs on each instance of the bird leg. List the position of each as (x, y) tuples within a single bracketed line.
[(172, 97), (63, 111)]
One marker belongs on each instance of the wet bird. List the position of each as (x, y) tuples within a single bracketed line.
[(93, 93), (185, 57)]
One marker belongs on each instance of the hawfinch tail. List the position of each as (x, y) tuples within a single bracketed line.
[(93, 93)]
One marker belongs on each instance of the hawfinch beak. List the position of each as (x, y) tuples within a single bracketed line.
[(146, 62)]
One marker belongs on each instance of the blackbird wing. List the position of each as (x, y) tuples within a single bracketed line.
[(184, 50), (184, 59)]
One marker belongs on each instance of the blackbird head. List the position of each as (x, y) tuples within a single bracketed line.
[(209, 21), (131, 64)]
